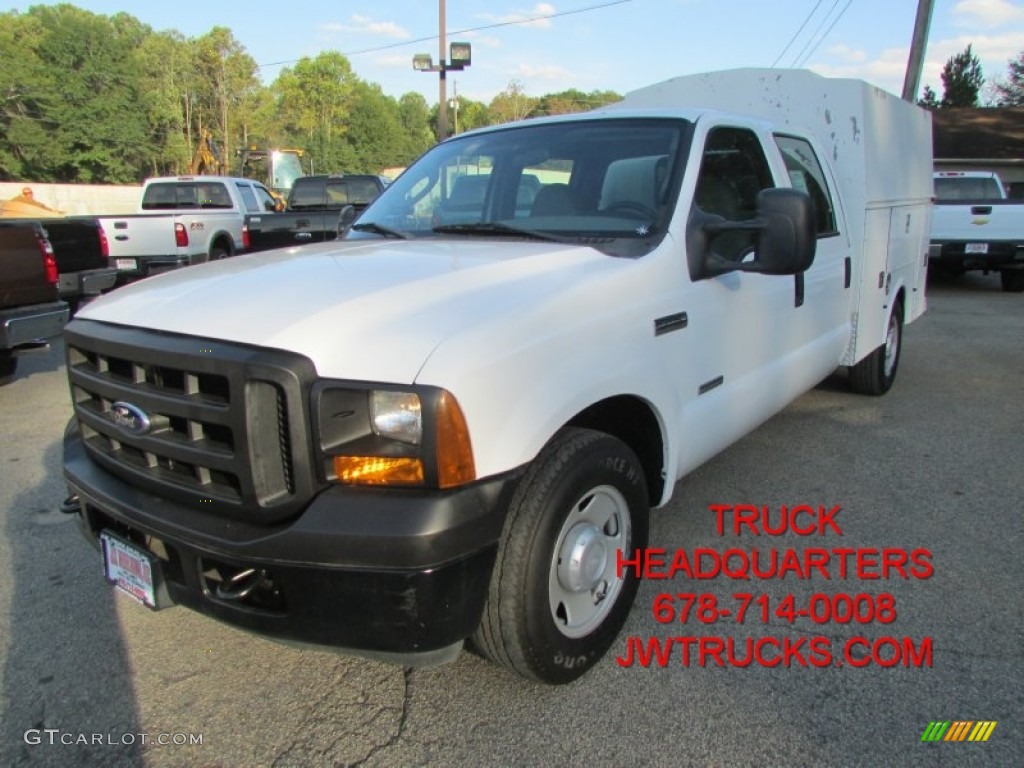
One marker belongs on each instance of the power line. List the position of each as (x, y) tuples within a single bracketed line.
[(827, 31), (530, 20), (814, 34), (797, 33)]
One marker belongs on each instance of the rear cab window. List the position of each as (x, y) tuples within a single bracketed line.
[(807, 175)]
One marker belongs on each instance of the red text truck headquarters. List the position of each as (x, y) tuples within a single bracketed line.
[(446, 425)]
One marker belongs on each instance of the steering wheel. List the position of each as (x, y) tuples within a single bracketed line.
[(630, 209)]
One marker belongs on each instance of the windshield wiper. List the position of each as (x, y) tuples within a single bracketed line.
[(497, 228), (379, 229)]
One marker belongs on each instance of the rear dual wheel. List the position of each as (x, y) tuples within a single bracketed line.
[(556, 601), (1012, 280), (875, 374)]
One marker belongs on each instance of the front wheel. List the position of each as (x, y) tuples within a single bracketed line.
[(875, 374), (556, 601)]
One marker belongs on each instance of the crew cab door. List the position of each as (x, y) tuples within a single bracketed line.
[(824, 315), (757, 340)]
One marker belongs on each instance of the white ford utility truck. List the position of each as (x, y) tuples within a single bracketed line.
[(975, 226), (451, 424), (183, 220)]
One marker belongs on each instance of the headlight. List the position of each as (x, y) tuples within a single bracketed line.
[(397, 415), (392, 437)]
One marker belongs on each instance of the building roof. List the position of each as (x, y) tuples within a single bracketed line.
[(995, 133)]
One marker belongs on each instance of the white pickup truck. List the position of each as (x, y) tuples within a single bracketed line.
[(183, 220), (453, 423), (975, 226)]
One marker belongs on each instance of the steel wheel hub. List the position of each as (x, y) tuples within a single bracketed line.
[(582, 582)]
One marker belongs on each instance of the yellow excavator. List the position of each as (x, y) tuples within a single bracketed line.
[(277, 168), (206, 161)]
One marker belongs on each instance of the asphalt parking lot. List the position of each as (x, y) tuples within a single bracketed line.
[(936, 465)]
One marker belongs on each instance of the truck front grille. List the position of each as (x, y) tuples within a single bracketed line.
[(208, 423)]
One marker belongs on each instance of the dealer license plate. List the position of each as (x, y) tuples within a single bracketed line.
[(129, 568), (976, 248), (127, 265)]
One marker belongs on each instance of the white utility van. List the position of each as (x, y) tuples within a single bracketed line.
[(448, 425)]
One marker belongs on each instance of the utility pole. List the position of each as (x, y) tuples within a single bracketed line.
[(442, 98), (460, 56), (915, 62)]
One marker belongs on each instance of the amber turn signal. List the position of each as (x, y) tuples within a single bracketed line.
[(378, 470), (455, 464)]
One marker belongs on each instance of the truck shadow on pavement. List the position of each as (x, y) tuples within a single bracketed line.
[(67, 681)]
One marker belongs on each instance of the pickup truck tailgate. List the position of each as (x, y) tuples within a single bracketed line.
[(24, 272), (982, 221), (138, 234)]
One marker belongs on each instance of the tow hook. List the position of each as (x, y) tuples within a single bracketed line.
[(71, 505)]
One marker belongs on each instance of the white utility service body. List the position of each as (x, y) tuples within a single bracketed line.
[(183, 220), (477, 407)]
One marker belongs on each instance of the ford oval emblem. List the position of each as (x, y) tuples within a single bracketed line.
[(130, 417)]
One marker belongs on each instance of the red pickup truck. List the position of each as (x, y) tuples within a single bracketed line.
[(30, 309)]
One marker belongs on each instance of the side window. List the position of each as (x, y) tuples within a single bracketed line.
[(806, 174), (307, 196), (266, 200), (733, 170), (248, 198)]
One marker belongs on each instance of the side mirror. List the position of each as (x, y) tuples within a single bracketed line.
[(346, 216), (788, 240), (783, 230)]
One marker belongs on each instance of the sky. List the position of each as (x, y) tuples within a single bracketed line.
[(617, 45)]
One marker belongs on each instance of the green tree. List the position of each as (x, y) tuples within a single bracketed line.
[(313, 104), (374, 139), (225, 79), (472, 114), (165, 60), (27, 94), (511, 104), (929, 99), (572, 100), (95, 129), (414, 116), (1011, 92), (962, 80)]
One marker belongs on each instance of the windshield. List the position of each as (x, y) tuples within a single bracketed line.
[(287, 168), (611, 183)]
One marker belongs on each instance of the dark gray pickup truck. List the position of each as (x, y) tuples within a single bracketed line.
[(81, 249), (30, 310), (314, 205)]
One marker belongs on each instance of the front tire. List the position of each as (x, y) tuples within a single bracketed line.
[(556, 603), (875, 374)]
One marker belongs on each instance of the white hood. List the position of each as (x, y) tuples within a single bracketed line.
[(366, 310)]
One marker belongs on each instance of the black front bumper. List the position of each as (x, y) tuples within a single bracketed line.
[(400, 575)]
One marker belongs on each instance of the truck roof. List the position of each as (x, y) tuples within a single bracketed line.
[(200, 177)]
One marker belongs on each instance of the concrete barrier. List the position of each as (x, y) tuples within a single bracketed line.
[(79, 199)]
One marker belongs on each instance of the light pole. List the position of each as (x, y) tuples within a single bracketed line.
[(459, 57)]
